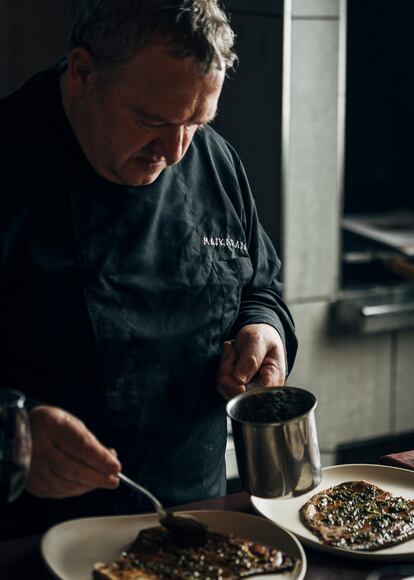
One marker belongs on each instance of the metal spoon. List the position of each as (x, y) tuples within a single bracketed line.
[(183, 525)]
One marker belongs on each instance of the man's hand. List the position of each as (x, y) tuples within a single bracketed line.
[(67, 460), (258, 349)]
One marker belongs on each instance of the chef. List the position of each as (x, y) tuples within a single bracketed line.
[(138, 288)]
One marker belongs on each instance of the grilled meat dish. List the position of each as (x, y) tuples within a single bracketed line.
[(360, 516), (156, 553)]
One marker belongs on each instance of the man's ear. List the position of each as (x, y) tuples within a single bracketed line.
[(79, 74)]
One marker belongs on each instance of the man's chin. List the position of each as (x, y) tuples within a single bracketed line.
[(134, 173), (137, 179), (147, 180), (144, 176)]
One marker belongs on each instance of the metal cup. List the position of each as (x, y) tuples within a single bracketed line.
[(276, 459)]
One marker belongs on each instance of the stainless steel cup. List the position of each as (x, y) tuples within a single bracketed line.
[(275, 459)]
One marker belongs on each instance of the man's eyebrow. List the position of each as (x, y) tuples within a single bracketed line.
[(149, 116), (154, 118)]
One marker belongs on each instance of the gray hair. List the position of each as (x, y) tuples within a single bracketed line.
[(114, 30)]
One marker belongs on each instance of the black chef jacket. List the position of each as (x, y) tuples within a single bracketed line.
[(115, 301)]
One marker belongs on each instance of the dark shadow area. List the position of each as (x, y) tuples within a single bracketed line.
[(379, 109), (234, 485), (370, 450)]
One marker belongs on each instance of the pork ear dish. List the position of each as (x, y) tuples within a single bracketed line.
[(360, 516), (156, 553)]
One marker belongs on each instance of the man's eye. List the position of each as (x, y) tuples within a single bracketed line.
[(148, 126), (145, 125)]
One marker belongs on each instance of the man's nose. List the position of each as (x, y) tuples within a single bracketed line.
[(172, 141)]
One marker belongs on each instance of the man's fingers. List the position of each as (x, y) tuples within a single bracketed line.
[(261, 352), (58, 480), (257, 353), (228, 359), (228, 388), (251, 355), (272, 372), (46, 483), (271, 376), (72, 471), (67, 459), (74, 439)]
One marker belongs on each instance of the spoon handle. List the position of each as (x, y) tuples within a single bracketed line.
[(158, 506)]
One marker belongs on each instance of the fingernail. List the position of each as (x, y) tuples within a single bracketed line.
[(267, 381), (113, 481)]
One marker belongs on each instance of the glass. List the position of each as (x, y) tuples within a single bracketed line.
[(15, 445)]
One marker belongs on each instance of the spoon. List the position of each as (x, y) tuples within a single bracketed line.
[(182, 525)]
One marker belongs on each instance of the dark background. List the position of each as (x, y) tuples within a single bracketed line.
[(379, 150), (250, 108)]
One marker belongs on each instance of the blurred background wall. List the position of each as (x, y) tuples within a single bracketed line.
[(363, 380)]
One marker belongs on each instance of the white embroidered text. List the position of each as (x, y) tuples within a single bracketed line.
[(224, 242)]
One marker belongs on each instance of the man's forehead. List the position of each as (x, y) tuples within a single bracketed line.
[(152, 116), (170, 89), (158, 68)]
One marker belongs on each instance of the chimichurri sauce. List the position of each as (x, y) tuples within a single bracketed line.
[(275, 406), (360, 516)]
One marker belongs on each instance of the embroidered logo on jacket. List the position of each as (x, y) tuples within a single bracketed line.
[(225, 243)]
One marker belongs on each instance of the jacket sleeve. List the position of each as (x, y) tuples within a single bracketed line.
[(261, 299)]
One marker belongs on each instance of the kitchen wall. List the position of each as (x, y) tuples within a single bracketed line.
[(363, 383)]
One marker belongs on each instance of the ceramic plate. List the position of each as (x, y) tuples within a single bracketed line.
[(71, 549), (285, 512)]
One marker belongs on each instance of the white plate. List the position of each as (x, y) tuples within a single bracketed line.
[(72, 548), (285, 512)]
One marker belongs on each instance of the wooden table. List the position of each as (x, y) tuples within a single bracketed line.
[(20, 559)]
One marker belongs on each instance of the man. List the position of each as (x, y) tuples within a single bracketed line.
[(130, 251)]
